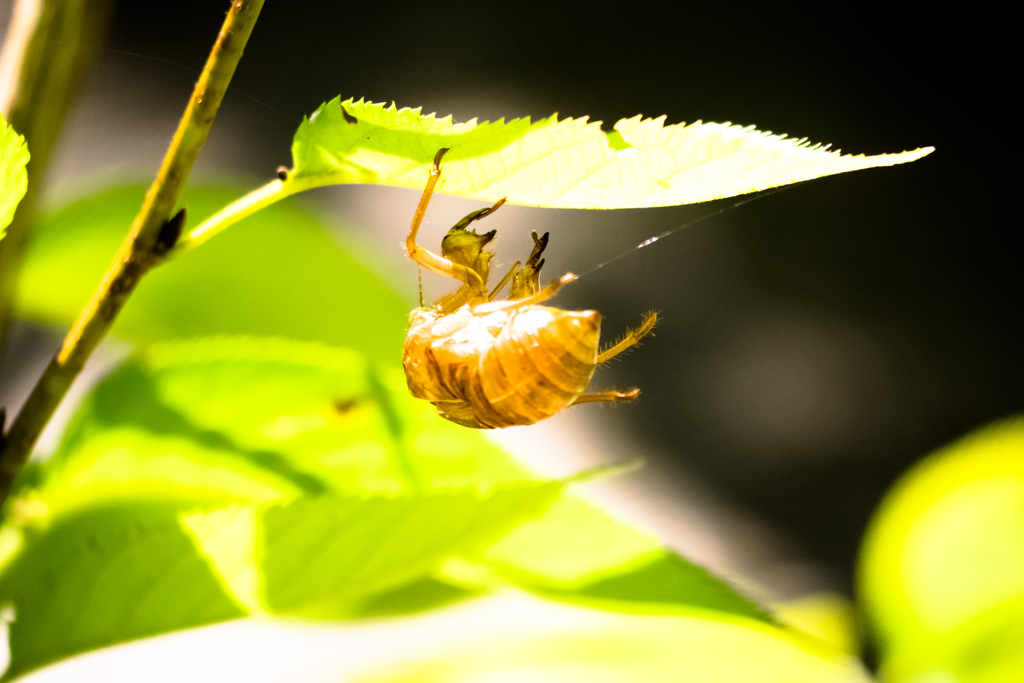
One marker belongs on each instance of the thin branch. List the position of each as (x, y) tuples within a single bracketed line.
[(145, 247), (259, 198)]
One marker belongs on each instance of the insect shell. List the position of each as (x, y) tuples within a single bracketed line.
[(488, 364)]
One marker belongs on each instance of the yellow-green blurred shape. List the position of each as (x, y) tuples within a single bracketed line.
[(826, 616), (608, 647), (942, 568), (13, 176)]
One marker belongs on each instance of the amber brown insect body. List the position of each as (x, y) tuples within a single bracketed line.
[(489, 364)]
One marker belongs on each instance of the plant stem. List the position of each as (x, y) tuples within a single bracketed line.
[(145, 247), (243, 207), (232, 213)]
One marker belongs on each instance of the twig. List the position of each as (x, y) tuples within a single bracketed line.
[(260, 198), (232, 213), (145, 247)]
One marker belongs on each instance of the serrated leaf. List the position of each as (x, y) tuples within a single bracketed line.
[(570, 163), (13, 177), (280, 274)]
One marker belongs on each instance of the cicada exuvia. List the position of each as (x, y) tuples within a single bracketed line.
[(489, 364)]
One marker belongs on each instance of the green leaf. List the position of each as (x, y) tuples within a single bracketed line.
[(259, 420), (579, 553), (574, 645), (135, 568), (341, 484), (338, 549), (323, 556), (13, 178), (105, 575), (570, 163), (240, 418), (280, 274), (942, 567)]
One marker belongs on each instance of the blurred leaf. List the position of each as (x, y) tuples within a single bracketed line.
[(942, 568), (259, 420), (315, 485), (317, 549), (827, 616), (278, 273), (417, 596), (237, 418), (105, 575), (559, 164), (593, 646), (579, 553), (13, 178), (299, 488)]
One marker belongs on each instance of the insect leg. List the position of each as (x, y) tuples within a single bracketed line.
[(548, 292), (425, 257), (478, 214), (631, 338), (535, 298), (607, 397)]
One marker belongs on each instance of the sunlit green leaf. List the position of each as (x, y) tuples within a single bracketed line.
[(321, 556), (262, 419), (579, 553), (570, 163), (337, 548), (314, 484), (574, 645), (13, 178), (942, 569), (105, 575), (278, 273), (256, 419), (101, 576)]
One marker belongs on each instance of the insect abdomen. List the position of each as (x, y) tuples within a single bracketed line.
[(540, 363), (506, 368)]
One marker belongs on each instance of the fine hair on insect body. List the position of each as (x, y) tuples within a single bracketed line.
[(491, 364)]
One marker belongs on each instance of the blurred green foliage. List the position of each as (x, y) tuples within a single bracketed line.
[(278, 273), (13, 177), (942, 569)]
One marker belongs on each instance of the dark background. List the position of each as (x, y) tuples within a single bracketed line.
[(814, 343)]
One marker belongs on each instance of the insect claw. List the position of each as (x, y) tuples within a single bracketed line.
[(437, 160)]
